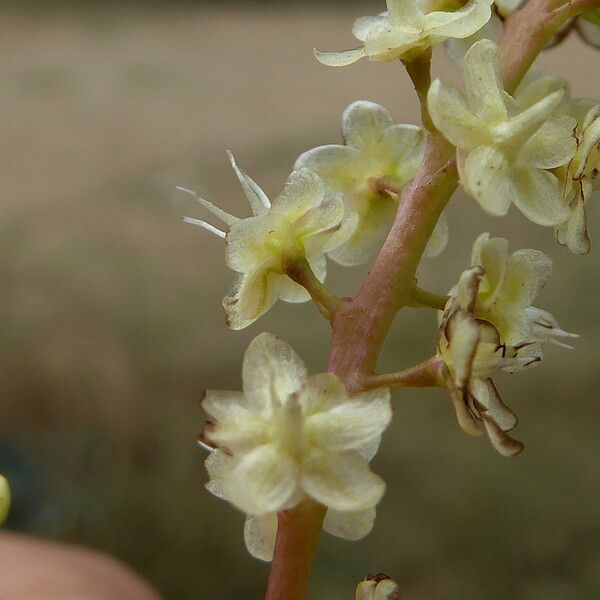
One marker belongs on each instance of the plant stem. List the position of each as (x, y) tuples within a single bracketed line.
[(297, 540), (419, 71), (424, 299), (360, 325), (425, 374), (327, 302)]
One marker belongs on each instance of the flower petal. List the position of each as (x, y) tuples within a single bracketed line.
[(463, 338), (256, 197), (250, 297), (349, 525), (486, 393), (573, 233), (526, 274), (552, 145), (303, 191), (236, 427), (219, 466), (263, 481), (352, 424), (342, 481), (260, 533), (453, 117), (492, 255), (334, 163), (406, 143), (271, 372), (486, 177), (439, 238), (459, 23), (339, 59), (483, 81), (538, 195), (364, 122), (364, 25)]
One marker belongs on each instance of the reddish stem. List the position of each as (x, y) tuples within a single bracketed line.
[(297, 540)]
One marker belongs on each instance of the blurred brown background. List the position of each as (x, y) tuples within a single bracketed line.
[(111, 320)]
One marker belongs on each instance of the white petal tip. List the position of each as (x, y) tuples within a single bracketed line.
[(339, 59)]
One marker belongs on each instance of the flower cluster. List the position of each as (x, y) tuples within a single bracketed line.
[(405, 30), (288, 436)]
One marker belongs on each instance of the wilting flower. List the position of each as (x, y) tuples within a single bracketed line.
[(471, 351), (292, 436), (505, 151), (4, 499), (379, 157), (378, 587), (581, 176), (507, 289), (301, 223), (260, 531), (406, 30)]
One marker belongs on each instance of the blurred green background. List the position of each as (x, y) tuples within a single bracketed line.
[(111, 320)]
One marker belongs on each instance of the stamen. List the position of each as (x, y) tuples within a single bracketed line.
[(204, 225), (257, 198), (215, 210)]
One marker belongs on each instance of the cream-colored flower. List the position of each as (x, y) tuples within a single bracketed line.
[(581, 176), (291, 436), (471, 351), (302, 222), (378, 158), (260, 531), (377, 587), (406, 30), (507, 289), (4, 499), (505, 152), (588, 27)]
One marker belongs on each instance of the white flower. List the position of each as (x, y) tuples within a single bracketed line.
[(378, 587), (505, 151), (581, 177), (507, 290), (260, 531), (291, 436), (471, 351), (4, 499), (301, 223), (377, 160), (405, 30)]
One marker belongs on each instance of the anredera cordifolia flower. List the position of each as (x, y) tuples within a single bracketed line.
[(377, 587), (508, 286), (505, 152), (581, 177), (291, 435), (260, 531), (379, 157), (471, 351), (4, 499), (303, 222), (405, 30)]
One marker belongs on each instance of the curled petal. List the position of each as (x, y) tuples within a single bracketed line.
[(349, 525), (256, 197), (218, 466), (463, 338), (468, 287), (342, 481), (573, 233), (249, 298), (364, 25), (487, 395), (460, 23), (260, 532), (467, 421), (339, 59), (589, 31), (502, 442), (272, 371), (263, 481), (334, 162)]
